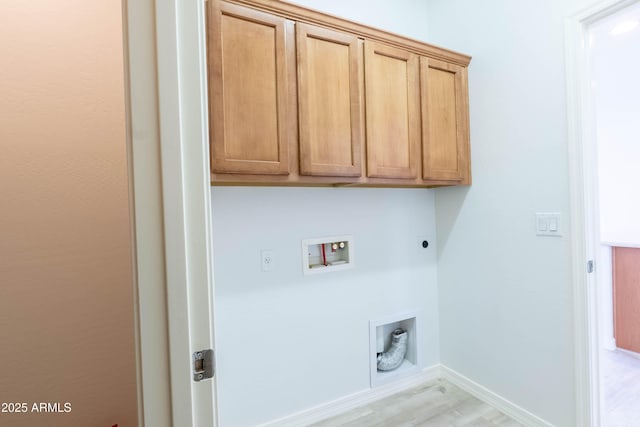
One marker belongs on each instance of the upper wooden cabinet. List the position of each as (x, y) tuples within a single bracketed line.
[(329, 102), (392, 112), (445, 130), (248, 91), (298, 97)]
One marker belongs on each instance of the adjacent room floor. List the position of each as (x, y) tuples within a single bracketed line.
[(621, 384), (434, 404)]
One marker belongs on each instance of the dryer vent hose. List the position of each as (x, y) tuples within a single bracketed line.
[(392, 358)]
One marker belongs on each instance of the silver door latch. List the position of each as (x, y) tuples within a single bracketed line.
[(203, 365)]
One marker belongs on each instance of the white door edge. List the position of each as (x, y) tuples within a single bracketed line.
[(584, 217), (586, 404), (145, 195), (186, 192), (171, 197)]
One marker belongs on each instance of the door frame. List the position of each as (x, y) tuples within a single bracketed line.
[(167, 144), (584, 209)]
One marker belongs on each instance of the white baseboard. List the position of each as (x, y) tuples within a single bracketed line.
[(503, 405), (628, 352), (609, 344), (364, 397)]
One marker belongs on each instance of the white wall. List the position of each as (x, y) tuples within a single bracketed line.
[(286, 342), (616, 90), (505, 294), (404, 17)]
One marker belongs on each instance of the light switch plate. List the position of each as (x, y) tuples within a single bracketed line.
[(548, 224)]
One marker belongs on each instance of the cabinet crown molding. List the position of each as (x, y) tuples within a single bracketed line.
[(311, 16)]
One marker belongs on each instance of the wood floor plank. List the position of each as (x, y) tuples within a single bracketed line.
[(435, 404), (621, 383)]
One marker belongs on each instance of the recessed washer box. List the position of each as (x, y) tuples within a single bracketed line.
[(326, 254), (380, 339)]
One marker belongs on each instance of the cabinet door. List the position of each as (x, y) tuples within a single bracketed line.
[(392, 99), (329, 102), (445, 130), (248, 91)]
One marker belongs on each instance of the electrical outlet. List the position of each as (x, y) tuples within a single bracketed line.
[(268, 260), (423, 242)]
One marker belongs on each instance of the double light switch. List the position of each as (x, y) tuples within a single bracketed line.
[(548, 224)]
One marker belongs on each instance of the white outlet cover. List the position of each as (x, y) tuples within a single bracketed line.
[(267, 260)]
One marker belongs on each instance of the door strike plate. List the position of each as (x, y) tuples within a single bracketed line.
[(203, 365)]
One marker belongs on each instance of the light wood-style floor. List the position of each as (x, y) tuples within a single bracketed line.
[(621, 383), (434, 404)]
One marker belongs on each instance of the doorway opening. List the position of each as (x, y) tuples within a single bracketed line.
[(614, 64), (603, 100)]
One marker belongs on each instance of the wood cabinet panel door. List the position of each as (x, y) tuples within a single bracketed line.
[(248, 91), (626, 298), (392, 97), (445, 131), (329, 102)]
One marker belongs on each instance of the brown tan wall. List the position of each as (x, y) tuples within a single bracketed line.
[(66, 315)]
